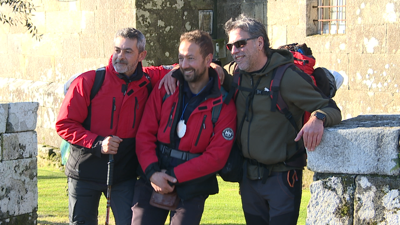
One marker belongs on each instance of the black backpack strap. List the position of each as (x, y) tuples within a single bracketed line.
[(298, 160), (98, 82), (216, 110), (234, 85), (276, 97)]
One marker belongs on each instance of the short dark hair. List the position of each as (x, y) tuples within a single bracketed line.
[(201, 38), (250, 25), (133, 34)]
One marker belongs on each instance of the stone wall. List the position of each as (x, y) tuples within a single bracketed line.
[(18, 164), (367, 55), (78, 36), (355, 181)]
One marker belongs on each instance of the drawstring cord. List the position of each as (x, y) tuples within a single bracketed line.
[(294, 178)]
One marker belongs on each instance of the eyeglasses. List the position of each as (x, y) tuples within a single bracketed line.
[(239, 44)]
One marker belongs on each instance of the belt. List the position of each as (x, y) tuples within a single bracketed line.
[(178, 154), (268, 169)]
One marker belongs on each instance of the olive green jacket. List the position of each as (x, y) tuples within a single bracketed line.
[(267, 136)]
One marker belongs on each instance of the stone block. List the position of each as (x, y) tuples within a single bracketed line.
[(89, 46), (331, 201), (374, 39), (377, 199), (18, 192), (64, 22), (42, 68), (393, 39), (19, 145), (362, 145), (3, 117), (66, 67), (22, 116)]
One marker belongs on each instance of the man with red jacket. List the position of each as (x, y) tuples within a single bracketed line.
[(110, 127), (179, 147)]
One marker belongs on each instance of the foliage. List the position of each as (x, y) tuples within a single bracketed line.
[(14, 12), (397, 161)]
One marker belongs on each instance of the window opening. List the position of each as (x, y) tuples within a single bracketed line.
[(331, 16)]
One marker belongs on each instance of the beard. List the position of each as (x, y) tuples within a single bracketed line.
[(192, 75), (121, 66)]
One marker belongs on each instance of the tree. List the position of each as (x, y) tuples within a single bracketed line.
[(14, 12)]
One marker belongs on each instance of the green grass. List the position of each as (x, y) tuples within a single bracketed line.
[(223, 208)]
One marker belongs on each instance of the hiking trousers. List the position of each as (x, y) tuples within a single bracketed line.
[(188, 212), (84, 198), (275, 202)]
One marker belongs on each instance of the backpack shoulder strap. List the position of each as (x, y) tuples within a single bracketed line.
[(277, 102), (98, 82), (234, 85), (216, 110)]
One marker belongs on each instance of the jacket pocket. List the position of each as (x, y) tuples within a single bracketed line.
[(113, 108), (170, 117), (134, 112), (202, 127)]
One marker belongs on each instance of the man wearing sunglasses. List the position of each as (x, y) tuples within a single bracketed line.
[(273, 149)]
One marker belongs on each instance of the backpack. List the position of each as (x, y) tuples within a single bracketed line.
[(304, 60), (322, 77), (65, 146)]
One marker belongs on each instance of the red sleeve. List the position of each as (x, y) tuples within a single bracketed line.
[(74, 111), (216, 154), (146, 137), (156, 73)]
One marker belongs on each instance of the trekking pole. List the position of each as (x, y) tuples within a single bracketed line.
[(109, 183)]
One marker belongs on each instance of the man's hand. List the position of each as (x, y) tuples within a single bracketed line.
[(110, 145), (219, 70), (312, 133), (159, 181), (169, 82)]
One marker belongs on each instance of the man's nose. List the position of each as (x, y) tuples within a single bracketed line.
[(184, 63), (234, 50), (121, 54)]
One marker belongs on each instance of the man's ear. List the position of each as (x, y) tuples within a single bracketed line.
[(208, 59), (260, 42), (142, 55)]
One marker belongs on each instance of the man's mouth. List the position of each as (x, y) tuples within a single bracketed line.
[(238, 57), (188, 72), (120, 62)]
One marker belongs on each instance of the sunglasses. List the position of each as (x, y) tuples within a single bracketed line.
[(239, 44)]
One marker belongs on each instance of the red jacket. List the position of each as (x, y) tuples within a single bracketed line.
[(201, 135), (112, 113)]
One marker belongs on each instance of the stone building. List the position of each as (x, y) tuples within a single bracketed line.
[(78, 36)]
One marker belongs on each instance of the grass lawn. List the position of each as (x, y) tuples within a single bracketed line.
[(223, 208)]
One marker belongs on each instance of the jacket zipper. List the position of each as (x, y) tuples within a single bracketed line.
[(134, 112), (202, 127), (170, 117), (112, 113)]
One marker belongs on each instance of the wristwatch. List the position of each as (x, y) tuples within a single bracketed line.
[(320, 116)]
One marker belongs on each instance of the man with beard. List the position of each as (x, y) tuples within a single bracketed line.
[(180, 147), (273, 149), (104, 125)]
